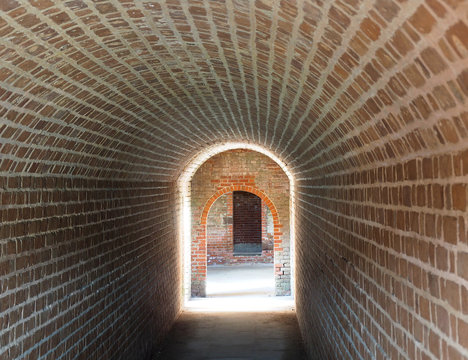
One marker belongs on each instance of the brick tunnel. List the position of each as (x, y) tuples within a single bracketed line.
[(104, 104)]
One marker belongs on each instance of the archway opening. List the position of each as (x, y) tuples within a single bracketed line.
[(240, 246), (195, 209)]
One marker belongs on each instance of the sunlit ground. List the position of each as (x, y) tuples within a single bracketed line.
[(241, 288)]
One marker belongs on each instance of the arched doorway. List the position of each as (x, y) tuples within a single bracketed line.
[(191, 210), (199, 243), (240, 255), (240, 230), (240, 171)]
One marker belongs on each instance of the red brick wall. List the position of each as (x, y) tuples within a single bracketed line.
[(267, 228), (219, 231), (87, 267), (385, 255), (249, 170), (220, 235)]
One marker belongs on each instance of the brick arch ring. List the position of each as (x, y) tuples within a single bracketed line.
[(251, 189), (199, 261)]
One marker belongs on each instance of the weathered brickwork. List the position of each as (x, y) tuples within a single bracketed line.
[(219, 236), (364, 100), (80, 259), (388, 251), (220, 243), (240, 170)]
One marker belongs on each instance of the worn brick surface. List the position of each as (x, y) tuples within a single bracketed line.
[(80, 259), (364, 100)]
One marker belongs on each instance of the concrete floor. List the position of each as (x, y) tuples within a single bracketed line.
[(240, 280), (240, 319), (241, 288)]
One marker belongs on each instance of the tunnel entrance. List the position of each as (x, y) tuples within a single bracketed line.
[(212, 181)]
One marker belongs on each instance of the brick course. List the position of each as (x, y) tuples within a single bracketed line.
[(79, 260), (389, 251)]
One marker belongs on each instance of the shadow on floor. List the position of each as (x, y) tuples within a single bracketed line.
[(234, 336), (239, 319)]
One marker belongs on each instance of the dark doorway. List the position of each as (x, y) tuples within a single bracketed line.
[(247, 223)]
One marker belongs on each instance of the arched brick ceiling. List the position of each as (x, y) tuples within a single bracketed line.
[(135, 88)]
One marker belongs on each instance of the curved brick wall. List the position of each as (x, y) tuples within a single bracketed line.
[(103, 103)]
